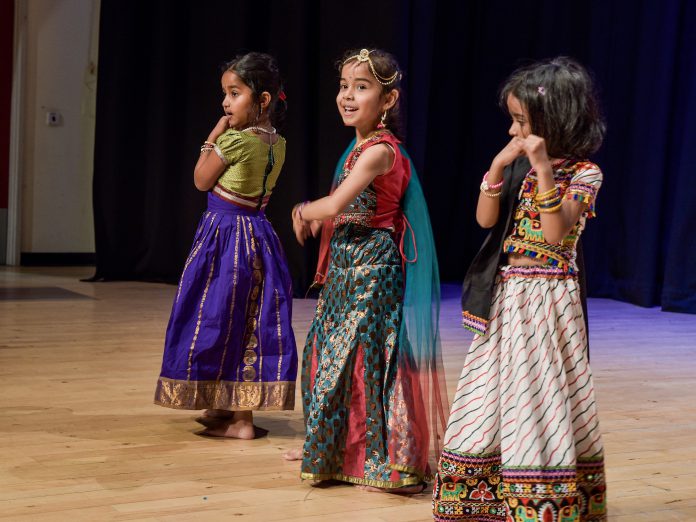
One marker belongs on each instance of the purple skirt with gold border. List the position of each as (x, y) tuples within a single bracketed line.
[(229, 343)]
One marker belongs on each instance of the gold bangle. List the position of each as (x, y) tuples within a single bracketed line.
[(540, 196), (550, 210)]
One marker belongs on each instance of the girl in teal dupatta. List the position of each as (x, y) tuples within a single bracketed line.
[(372, 387)]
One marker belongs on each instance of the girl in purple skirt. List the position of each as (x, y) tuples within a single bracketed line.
[(229, 347)]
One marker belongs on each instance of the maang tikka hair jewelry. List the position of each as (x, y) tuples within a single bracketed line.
[(364, 56)]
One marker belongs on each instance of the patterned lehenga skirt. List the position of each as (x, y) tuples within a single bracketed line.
[(357, 391), (229, 343), (523, 440)]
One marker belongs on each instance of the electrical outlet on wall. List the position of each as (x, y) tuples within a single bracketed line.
[(54, 118)]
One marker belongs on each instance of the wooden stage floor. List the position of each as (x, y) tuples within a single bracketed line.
[(81, 440)]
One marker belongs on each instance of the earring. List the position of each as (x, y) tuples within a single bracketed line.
[(382, 124)]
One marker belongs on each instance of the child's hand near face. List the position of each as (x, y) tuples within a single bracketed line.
[(535, 148), (509, 153), (221, 126)]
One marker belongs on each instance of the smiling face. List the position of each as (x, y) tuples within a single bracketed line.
[(238, 102), (360, 100), (521, 126)]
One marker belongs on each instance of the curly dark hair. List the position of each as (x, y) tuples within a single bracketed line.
[(386, 66), (562, 104), (259, 71)]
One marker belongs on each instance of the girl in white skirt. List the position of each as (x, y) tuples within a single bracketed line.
[(523, 440)]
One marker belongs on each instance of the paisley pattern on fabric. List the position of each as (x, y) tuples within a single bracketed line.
[(361, 393)]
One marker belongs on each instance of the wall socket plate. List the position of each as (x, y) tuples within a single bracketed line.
[(54, 119)]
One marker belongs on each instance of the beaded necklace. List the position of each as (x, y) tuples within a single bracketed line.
[(261, 129)]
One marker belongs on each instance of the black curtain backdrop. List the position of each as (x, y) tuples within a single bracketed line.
[(159, 96)]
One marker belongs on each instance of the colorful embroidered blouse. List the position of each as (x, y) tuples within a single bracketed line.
[(379, 205), (246, 157), (579, 181)]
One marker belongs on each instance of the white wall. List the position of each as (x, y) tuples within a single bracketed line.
[(56, 170)]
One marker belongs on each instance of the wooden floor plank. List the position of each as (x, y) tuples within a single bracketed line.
[(81, 440)]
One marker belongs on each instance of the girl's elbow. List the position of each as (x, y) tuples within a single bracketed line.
[(485, 222), (202, 185)]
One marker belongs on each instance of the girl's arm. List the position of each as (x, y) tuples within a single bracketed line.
[(488, 208), (209, 166), (555, 225), (373, 162)]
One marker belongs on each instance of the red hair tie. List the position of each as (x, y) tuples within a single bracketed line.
[(281, 95)]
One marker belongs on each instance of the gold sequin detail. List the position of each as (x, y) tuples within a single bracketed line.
[(250, 357), (248, 374)]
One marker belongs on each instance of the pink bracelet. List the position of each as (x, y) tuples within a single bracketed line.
[(491, 187), (300, 207)]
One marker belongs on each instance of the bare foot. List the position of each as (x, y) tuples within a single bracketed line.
[(231, 430), (294, 454), (241, 426), (212, 417)]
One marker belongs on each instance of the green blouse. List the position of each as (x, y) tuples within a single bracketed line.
[(246, 155)]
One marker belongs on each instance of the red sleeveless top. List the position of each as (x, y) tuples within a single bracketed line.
[(379, 205)]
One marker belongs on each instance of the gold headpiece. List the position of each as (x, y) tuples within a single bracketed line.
[(364, 56)]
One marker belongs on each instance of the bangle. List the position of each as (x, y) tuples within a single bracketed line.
[(486, 192), (209, 143), (550, 209), (486, 187), (549, 202), (299, 207), (547, 195), (299, 210)]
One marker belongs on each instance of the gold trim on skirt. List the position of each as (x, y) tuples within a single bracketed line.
[(225, 395), (384, 484)]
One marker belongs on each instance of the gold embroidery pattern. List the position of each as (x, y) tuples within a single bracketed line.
[(194, 252), (225, 395), (357, 323), (280, 333), (247, 248), (235, 278), (251, 341), (200, 314)]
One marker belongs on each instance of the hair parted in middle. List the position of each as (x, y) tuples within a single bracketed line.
[(562, 104), (384, 67)]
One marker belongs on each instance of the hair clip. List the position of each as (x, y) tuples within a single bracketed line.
[(541, 90), (281, 95)]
